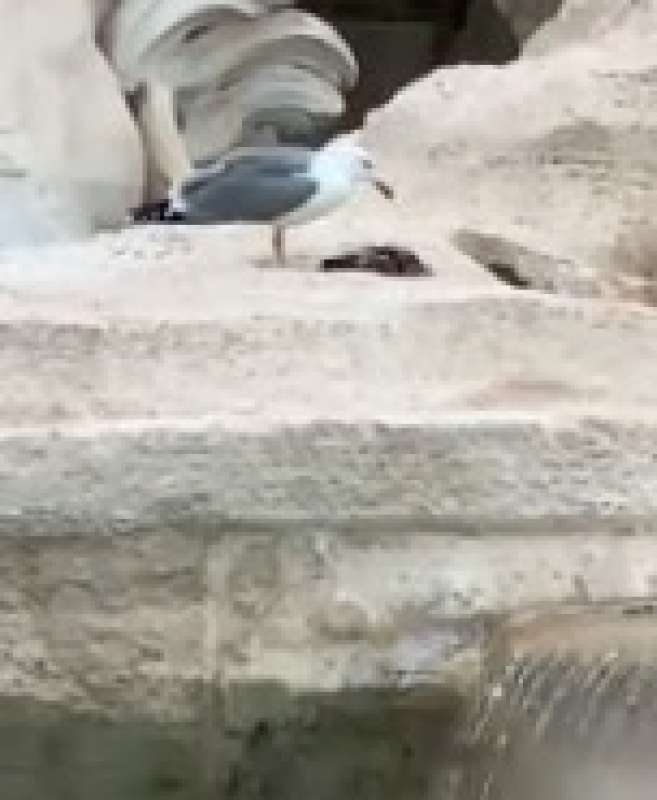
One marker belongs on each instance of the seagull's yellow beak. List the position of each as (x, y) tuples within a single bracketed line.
[(383, 187)]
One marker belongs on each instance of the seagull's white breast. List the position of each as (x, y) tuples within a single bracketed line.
[(335, 185)]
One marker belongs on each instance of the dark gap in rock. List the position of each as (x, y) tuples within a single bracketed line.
[(508, 274), (513, 263), (399, 41)]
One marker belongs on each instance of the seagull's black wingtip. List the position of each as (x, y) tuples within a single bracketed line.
[(155, 211)]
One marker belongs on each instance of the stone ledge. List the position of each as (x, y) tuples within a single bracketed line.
[(153, 625), (263, 363), (328, 473)]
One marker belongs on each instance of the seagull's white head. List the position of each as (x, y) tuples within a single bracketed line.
[(354, 161)]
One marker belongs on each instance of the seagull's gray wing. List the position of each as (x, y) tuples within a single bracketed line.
[(288, 157), (254, 186)]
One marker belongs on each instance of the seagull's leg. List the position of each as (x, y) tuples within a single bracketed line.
[(278, 241)]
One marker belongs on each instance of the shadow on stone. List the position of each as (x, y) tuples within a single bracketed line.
[(259, 741), (48, 751), (522, 267), (507, 273), (543, 727)]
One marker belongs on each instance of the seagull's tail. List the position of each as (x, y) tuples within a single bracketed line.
[(156, 211)]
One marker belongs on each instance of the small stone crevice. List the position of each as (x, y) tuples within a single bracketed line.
[(521, 267)]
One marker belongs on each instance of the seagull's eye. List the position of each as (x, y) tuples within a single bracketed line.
[(368, 164), (196, 33)]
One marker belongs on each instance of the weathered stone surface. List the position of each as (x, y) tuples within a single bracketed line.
[(66, 167), (141, 629), (578, 21), (611, 631), (128, 623), (172, 385), (553, 156), (287, 509), (319, 397)]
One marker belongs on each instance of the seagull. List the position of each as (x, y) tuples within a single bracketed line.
[(276, 185)]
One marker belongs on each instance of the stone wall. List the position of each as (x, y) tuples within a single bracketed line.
[(298, 533)]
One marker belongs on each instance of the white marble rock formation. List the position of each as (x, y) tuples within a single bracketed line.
[(220, 65), (70, 155), (213, 472), (72, 159)]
